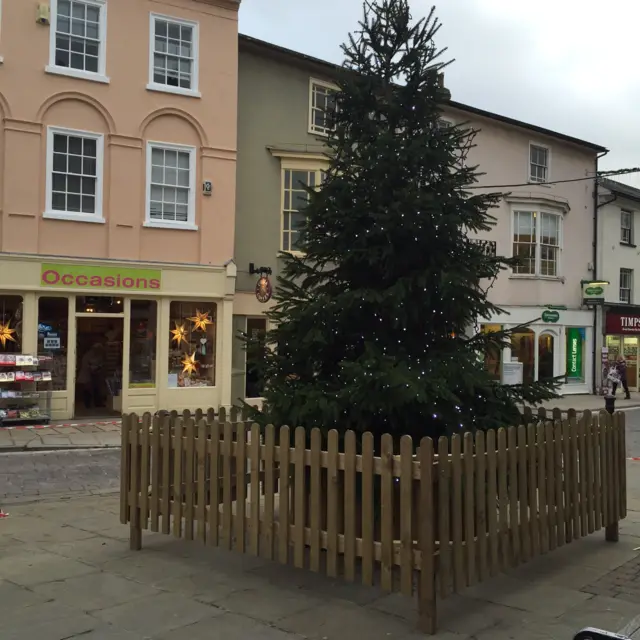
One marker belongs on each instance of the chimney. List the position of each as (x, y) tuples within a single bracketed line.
[(445, 92)]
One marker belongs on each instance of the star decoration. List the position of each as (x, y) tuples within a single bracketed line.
[(189, 363), (6, 334), (179, 333), (200, 320)]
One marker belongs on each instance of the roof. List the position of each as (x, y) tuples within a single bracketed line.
[(289, 55), (620, 189)]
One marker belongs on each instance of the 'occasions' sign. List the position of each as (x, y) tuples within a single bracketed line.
[(99, 278)]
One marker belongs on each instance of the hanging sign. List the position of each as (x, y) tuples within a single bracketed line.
[(263, 289), (593, 292)]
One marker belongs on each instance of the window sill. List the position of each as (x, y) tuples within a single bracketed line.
[(535, 183), (523, 276), (322, 134), (165, 88), (298, 254), (73, 217), (76, 73), (628, 244), (175, 226)]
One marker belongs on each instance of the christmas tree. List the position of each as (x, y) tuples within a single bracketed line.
[(376, 319)]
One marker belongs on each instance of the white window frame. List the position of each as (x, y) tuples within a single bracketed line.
[(327, 85), (628, 272), (54, 214), (623, 213), (101, 75), (194, 91), (190, 225), (538, 213), (532, 179)]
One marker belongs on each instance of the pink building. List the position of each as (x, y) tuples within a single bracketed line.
[(117, 199)]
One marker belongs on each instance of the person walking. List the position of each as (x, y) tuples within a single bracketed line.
[(621, 368)]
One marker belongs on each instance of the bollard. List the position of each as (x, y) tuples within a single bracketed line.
[(609, 403)]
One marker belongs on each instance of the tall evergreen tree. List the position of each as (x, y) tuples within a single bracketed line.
[(374, 321)]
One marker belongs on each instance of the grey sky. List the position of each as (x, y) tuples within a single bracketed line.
[(562, 64)]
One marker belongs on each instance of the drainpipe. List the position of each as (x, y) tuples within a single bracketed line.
[(596, 208)]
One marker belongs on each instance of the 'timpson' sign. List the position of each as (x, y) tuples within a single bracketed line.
[(98, 277), (622, 323)]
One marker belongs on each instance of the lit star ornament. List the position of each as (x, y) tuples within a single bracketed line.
[(179, 333), (6, 334), (189, 363), (200, 320)]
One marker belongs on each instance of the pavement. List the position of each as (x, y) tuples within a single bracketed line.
[(588, 402), (66, 571)]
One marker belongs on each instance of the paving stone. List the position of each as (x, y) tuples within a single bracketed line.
[(28, 568), (228, 626), (599, 611), (268, 604), (84, 440), (157, 614), (344, 621), (94, 551), (94, 591), (148, 567), (109, 632), (54, 441), (13, 596), (210, 586)]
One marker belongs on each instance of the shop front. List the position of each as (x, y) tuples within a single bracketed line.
[(622, 337), (122, 336), (558, 342)]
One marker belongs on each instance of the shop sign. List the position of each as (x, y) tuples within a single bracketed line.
[(550, 316), (618, 323), (574, 352), (98, 278), (593, 292), (263, 289)]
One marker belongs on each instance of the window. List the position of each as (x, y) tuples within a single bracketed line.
[(192, 344), (322, 102), (538, 163), (173, 55), (53, 331), (626, 282), (523, 350), (536, 243), (626, 227), (78, 39), (295, 199), (142, 344), (171, 186), (10, 324), (74, 175)]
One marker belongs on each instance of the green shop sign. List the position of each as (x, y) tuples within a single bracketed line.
[(550, 316), (574, 352), (594, 291), (99, 278)]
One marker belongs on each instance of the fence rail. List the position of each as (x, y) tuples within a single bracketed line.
[(424, 517)]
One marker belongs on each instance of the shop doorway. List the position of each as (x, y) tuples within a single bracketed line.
[(99, 348)]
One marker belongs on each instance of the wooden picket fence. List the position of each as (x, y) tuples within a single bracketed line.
[(431, 518)]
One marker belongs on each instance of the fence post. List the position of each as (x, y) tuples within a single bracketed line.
[(135, 528)]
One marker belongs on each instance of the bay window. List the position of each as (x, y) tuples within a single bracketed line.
[(537, 243)]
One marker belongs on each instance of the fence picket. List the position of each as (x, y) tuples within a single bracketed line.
[(582, 468), (543, 531), (481, 506), (514, 523), (155, 474), (332, 504), (167, 472), (492, 501), (503, 500), (350, 506), (188, 481), (241, 486), (368, 513), (227, 516), (386, 520), (300, 497), (135, 533), (284, 506), (406, 508), (533, 490), (201, 474), (560, 474), (622, 466), (615, 485), (125, 468), (567, 480), (575, 479), (214, 483), (178, 494), (469, 508), (604, 470), (551, 489), (255, 490), (426, 541), (317, 503), (523, 489), (145, 468), (269, 491), (459, 574)]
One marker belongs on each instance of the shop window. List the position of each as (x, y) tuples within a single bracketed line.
[(99, 304), (576, 339), (256, 331), (192, 344), (493, 355), (142, 344), (53, 333), (545, 356), (523, 349), (10, 324)]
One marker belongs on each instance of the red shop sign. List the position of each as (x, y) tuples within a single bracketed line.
[(618, 323)]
